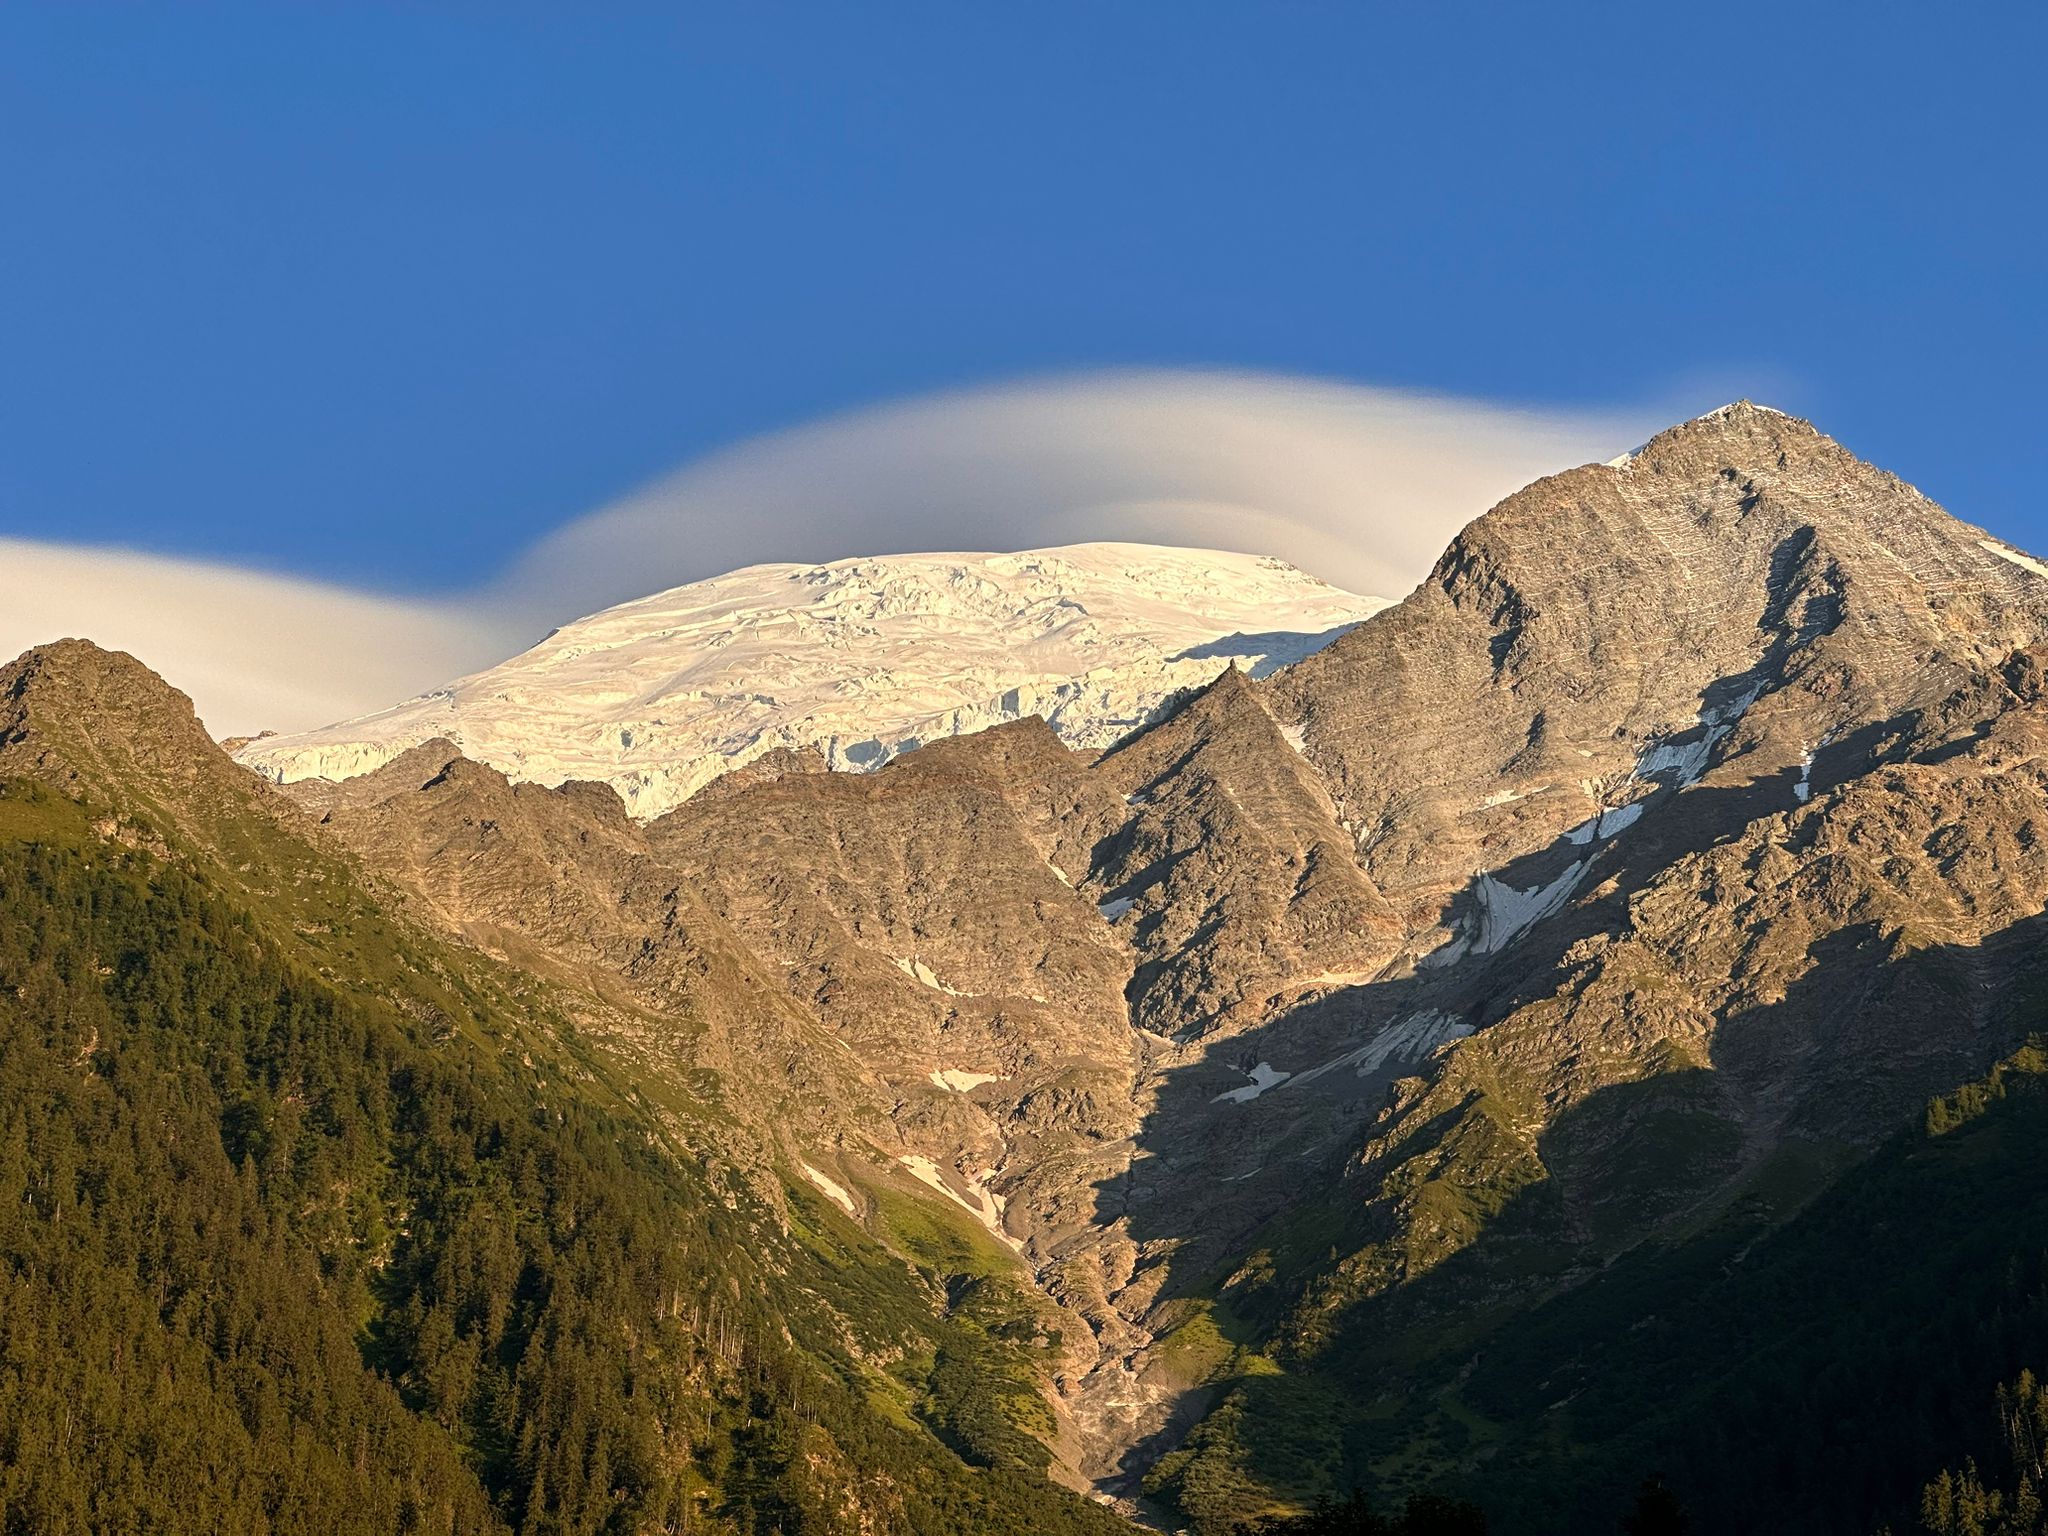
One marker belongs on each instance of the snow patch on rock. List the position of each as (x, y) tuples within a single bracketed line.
[(1505, 912), (1263, 1077), (2005, 552), (1803, 790), (917, 970), (986, 1207), (1413, 1037), (1686, 761), (1446, 954), (835, 1192), (956, 1081), (1609, 820)]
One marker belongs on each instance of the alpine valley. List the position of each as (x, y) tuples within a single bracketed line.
[(1099, 1038)]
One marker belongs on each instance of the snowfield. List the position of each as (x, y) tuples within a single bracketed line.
[(858, 660)]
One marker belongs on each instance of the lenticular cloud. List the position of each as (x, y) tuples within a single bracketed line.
[(255, 650), (1360, 486)]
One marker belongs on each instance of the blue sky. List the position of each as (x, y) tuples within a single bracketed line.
[(383, 293)]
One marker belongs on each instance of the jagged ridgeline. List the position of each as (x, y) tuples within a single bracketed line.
[(311, 1222), (1578, 1024)]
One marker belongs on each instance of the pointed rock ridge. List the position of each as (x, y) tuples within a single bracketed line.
[(921, 904), (410, 770), (777, 763), (1738, 416), (1018, 750), (96, 721), (1231, 873), (865, 660), (1742, 589), (75, 677)]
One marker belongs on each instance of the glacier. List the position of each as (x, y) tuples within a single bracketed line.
[(856, 661)]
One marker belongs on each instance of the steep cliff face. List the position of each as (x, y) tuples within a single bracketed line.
[(1738, 591), (1230, 871)]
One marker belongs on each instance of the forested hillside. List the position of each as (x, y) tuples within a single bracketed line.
[(282, 1254)]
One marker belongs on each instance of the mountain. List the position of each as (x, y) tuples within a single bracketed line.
[(314, 1221), (857, 661), (1581, 1022)]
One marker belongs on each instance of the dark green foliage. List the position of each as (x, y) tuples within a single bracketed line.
[(1657, 1512), (197, 1182), (971, 1405), (1800, 1362), (1807, 1375), (1424, 1515), (1961, 1503), (277, 1256)]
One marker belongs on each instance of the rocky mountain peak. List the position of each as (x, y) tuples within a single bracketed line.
[(1740, 586), (1741, 428), (98, 712), (81, 669)]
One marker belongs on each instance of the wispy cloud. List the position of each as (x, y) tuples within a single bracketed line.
[(254, 650), (1360, 486)]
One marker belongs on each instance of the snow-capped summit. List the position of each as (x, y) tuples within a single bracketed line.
[(858, 659)]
